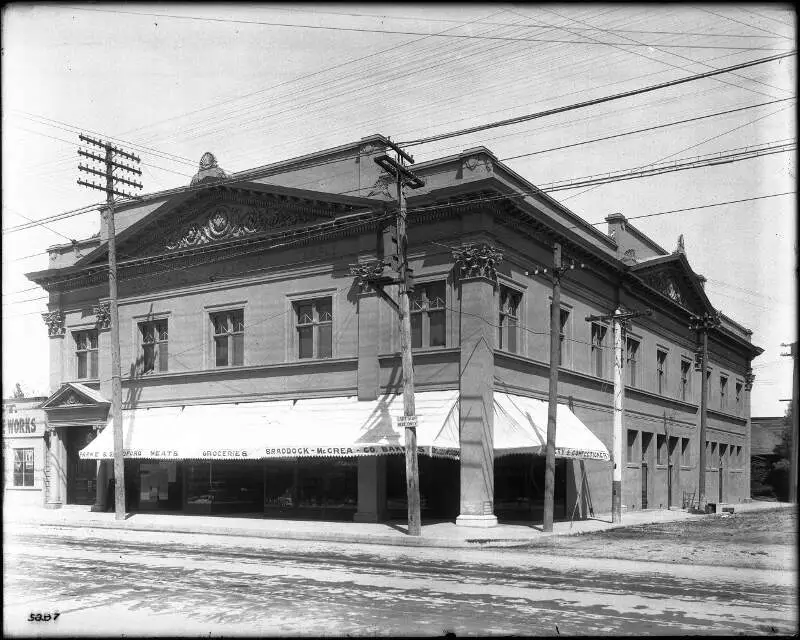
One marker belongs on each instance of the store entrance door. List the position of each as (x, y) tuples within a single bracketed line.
[(81, 474)]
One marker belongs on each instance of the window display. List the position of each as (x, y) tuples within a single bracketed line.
[(220, 487)]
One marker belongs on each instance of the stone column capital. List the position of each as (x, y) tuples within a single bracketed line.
[(749, 379), (366, 275), (477, 261), (55, 323), (102, 312)]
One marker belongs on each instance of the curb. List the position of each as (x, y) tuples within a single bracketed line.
[(345, 538)]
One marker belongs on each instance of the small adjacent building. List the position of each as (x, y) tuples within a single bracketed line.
[(261, 372), (24, 453)]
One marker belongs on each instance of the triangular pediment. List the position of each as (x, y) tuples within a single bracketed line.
[(74, 395), (227, 213), (672, 276)]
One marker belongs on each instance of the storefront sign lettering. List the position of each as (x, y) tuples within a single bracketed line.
[(563, 452), (225, 453), (21, 422)]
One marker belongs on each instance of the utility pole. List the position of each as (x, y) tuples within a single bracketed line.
[(793, 478), (552, 407), (619, 320), (702, 324), (374, 275), (110, 164)]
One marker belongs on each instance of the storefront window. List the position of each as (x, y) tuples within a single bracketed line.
[(225, 486), (23, 467)]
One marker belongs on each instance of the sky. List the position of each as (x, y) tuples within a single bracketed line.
[(256, 84)]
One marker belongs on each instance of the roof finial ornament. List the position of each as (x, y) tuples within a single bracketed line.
[(680, 248), (209, 169)]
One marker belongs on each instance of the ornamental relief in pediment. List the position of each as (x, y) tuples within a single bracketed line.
[(221, 222), (667, 285)]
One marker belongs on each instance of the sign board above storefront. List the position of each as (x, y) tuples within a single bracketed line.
[(20, 422)]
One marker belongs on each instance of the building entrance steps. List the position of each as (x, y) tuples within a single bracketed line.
[(434, 534)]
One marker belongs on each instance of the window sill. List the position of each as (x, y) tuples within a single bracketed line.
[(23, 488), (632, 465)]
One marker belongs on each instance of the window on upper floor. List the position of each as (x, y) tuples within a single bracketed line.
[(647, 439), (597, 349), (428, 315), (661, 449), (314, 326), (23, 467), (708, 386), (631, 360), (712, 458), (686, 380), (723, 392), (508, 327), (86, 353), (661, 371), (228, 329), (739, 387), (686, 452), (723, 455), (631, 449), (154, 350), (563, 327)]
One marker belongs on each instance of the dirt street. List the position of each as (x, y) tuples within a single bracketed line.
[(757, 540)]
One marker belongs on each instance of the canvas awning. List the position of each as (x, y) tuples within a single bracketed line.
[(320, 427), (336, 427), (520, 426)]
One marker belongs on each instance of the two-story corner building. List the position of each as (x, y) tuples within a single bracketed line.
[(260, 375)]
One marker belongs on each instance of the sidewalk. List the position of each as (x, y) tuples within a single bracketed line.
[(439, 534)]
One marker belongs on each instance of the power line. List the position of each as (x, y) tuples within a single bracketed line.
[(405, 33), (587, 103), (660, 126), (722, 157), (678, 55), (538, 25)]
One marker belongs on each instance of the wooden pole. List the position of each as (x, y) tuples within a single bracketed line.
[(116, 378), (412, 469), (555, 339), (793, 441), (616, 438)]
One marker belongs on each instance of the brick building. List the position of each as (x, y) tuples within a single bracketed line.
[(260, 375)]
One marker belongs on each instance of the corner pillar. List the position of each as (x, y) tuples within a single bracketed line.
[(371, 489), (478, 279), (368, 330)]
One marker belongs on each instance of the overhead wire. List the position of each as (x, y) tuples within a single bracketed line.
[(316, 11), (390, 32), (681, 67), (653, 128), (587, 103)]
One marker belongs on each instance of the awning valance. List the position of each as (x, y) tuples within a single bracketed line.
[(336, 427), (319, 427)]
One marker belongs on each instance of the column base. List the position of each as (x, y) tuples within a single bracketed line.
[(476, 521), (366, 516), (53, 505)]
